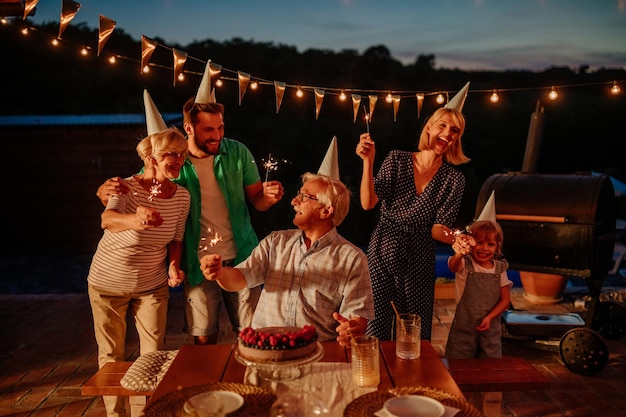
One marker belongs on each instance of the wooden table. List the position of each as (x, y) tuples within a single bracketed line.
[(198, 364)]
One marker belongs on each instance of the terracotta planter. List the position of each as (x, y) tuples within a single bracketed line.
[(542, 288)]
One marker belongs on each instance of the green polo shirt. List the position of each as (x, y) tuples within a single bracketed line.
[(234, 168)]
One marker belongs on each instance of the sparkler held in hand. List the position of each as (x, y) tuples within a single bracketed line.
[(270, 165)]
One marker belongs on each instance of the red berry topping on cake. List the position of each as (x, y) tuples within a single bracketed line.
[(279, 340)]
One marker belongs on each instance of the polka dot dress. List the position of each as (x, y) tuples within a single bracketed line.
[(401, 251)]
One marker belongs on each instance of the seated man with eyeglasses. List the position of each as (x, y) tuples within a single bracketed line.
[(310, 275)]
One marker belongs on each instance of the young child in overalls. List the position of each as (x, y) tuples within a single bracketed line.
[(482, 292)]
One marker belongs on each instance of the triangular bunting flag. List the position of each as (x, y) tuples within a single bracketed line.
[(29, 6), (319, 97), (147, 48), (244, 79), (68, 12), (373, 99), (356, 103), (396, 106), (279, 87), (180, 58), (420, 102), (105, 30)]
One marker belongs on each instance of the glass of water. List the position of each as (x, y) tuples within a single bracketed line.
[(408, 336)]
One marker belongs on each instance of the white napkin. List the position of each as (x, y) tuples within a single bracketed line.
[(448, 412)]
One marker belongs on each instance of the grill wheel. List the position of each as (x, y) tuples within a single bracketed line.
[(583, 351)]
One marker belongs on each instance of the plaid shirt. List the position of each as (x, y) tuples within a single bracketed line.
[(306, 286)]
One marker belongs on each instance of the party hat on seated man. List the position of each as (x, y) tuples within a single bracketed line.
[(330, 164), (489, 210), (154, 120), (458, 100)]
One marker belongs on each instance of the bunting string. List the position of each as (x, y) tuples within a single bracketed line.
[(246, 80)]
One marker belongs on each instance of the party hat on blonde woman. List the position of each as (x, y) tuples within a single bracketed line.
[(330, 164), (458, 100), (489, 211), (154, 120)]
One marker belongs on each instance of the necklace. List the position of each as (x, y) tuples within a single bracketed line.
[(422, 169)]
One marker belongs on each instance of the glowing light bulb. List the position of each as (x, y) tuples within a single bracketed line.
[(219, 83), (494, 98), (112, 59), (553, 95), (299, 93), (615, 90), (25, 31), (439, 99), (84, 52), (343, 96), (389, 98), (181, 77), (146, 69), (4, 20), (55, 42), (254, 85)]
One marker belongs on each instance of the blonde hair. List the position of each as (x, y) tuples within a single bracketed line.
[(168, 140), (335, 194), (454, 155), (487, 229)]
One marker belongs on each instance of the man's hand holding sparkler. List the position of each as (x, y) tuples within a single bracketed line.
[(273, 192)]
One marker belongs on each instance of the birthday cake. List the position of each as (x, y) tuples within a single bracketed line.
[(277, 344)]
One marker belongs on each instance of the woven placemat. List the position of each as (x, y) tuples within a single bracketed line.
[(256, 401), (366, 405)]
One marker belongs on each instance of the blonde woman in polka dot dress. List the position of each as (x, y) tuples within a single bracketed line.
[(420, 196)]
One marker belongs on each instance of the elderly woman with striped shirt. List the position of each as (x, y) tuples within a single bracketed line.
[(139, 253)]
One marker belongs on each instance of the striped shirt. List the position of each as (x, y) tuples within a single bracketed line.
[(134, 261), (306, 286)]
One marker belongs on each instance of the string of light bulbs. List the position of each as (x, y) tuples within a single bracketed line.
[(440, 96)]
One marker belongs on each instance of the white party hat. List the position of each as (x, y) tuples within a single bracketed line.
[(330, 164), (154, 120), (458, 100), (204, 90), (489, 210)]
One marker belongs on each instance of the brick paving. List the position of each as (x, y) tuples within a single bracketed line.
[(47, 351)]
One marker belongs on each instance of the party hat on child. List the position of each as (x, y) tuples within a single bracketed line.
[(458, 100), (154, 120), (489, 211), (330, 164)]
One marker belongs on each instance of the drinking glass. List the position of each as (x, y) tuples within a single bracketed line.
[(365, 361), (408, 336)]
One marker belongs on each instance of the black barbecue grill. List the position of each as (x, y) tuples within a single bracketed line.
[(564, 225)]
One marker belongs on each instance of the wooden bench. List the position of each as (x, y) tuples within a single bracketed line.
[(107, 382), (484, 380)]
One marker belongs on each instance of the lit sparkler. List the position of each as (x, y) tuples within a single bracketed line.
[(456, 232), (155, 189), (270, 165), (212, 241)]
